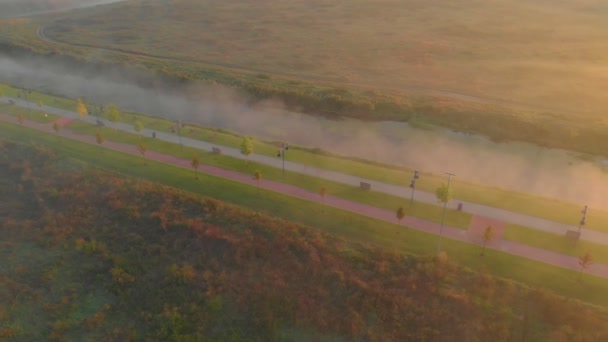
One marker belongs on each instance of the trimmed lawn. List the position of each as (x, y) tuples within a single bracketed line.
[(552, 209), (338, 222), (556, 243), (34, 114), (419, 209)]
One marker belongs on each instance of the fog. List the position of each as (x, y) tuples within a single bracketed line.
[(516, 166), (23, 8)]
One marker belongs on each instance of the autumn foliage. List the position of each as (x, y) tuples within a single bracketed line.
[(114, 258)]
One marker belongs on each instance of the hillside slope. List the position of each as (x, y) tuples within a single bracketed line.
[(91, 255)]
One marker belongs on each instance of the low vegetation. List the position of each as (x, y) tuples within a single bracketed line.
[(92, 255)]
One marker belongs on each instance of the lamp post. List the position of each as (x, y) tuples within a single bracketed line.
[(179, 133), (582, 223), (445, 204), (281, 154), (413, 185)]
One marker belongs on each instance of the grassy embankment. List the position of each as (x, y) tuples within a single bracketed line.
[(551, 209), (556, 243), (348, 225)]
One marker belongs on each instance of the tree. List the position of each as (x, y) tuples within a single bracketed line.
[(584, 261), (487, 236), (138, 126), (112, 113), (246, 146), (142, 150), (196, 162), (81, 109), (257, 175), (443, 193), (20, 118), (39, 104), (400, 214), (56, 127), (323, 193), (99, 137)]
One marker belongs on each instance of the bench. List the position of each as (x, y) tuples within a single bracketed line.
[(365, 186), (216, 150), (573, 234)]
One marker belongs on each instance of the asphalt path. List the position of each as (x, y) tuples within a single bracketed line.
[(338, 177), (470, 236)]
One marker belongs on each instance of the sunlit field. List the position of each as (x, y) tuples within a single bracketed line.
[(547, 54)]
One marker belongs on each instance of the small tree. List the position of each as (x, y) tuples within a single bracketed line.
[(400, 214), (138, 126), (323, 193), (196, 162), (56, 127), (247, 147), (40, 104), (257, 175), (487, 236), (584, 261), (443, 193), (112, 113), (142, 150), (99, 137), (21, 119), (81, 109)]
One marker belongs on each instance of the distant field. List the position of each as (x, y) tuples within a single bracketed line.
[(548, 54)]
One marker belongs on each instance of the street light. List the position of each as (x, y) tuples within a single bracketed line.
[(413, 185), (582, 223), (281, 154), (445, 204), (178, 124)]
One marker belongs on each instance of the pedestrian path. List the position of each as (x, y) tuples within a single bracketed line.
[(338, 177), (472, 236)]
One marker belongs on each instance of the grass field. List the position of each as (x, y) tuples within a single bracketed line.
[(500, 48), (537, 84), (555, 243), (552, 209), (340, 223)]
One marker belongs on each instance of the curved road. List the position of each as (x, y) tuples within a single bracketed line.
[(472, 237)]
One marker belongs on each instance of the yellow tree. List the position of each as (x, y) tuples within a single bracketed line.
[(138, 126), (196, 162), (584, 261), (81, 109), (487, 236), (323, 193), (99, 137), (257, 175), (247, 147), (400, 214), (112, 113), (142, 150), (20, 118), (56, 127)]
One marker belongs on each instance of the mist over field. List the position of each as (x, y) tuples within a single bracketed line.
[(13, 8), (513, 166)]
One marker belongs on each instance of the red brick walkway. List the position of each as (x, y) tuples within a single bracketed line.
[(471, 236)]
